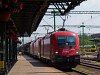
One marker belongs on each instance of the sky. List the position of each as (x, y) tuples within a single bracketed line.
[(73, 19)]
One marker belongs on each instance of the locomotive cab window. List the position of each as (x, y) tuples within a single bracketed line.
[(64, 41)]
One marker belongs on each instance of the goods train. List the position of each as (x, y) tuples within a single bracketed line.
[(60, 47)]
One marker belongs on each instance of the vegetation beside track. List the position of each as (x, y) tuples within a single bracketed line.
[(80, 68)]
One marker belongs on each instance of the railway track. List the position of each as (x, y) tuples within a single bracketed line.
[(77, 72), (92, 59), (91, 68), (73, 71), (90, 65)]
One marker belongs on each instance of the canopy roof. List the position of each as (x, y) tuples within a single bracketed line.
[(28, 19)]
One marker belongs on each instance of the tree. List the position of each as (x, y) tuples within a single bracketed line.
[(86, 39)]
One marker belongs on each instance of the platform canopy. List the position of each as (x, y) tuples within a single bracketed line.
[(28, 19)]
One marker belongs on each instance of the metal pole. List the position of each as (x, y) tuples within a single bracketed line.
[(54, 14), (54, 21), (35, 35), (64, 22), (82, 36), (22, 44)]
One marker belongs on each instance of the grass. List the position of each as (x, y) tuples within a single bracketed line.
[(80, 68), (97, 63)]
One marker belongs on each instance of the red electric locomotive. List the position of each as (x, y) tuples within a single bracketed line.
[(60, 47)]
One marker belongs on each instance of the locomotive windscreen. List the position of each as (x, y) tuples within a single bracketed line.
[(65, 41)]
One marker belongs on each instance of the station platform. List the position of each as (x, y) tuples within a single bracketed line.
[(21, 67), (29, 66)]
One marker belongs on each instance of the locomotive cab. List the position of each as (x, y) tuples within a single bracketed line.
[(66, 48)]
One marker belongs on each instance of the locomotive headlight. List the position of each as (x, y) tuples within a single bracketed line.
[(77, 51), (56, 52)]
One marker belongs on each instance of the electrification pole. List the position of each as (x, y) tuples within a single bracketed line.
[(54, 21), (35, 35), (54, 14), (82, 36), (47, 27)]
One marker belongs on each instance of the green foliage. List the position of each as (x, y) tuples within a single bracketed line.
[(86, 39)]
